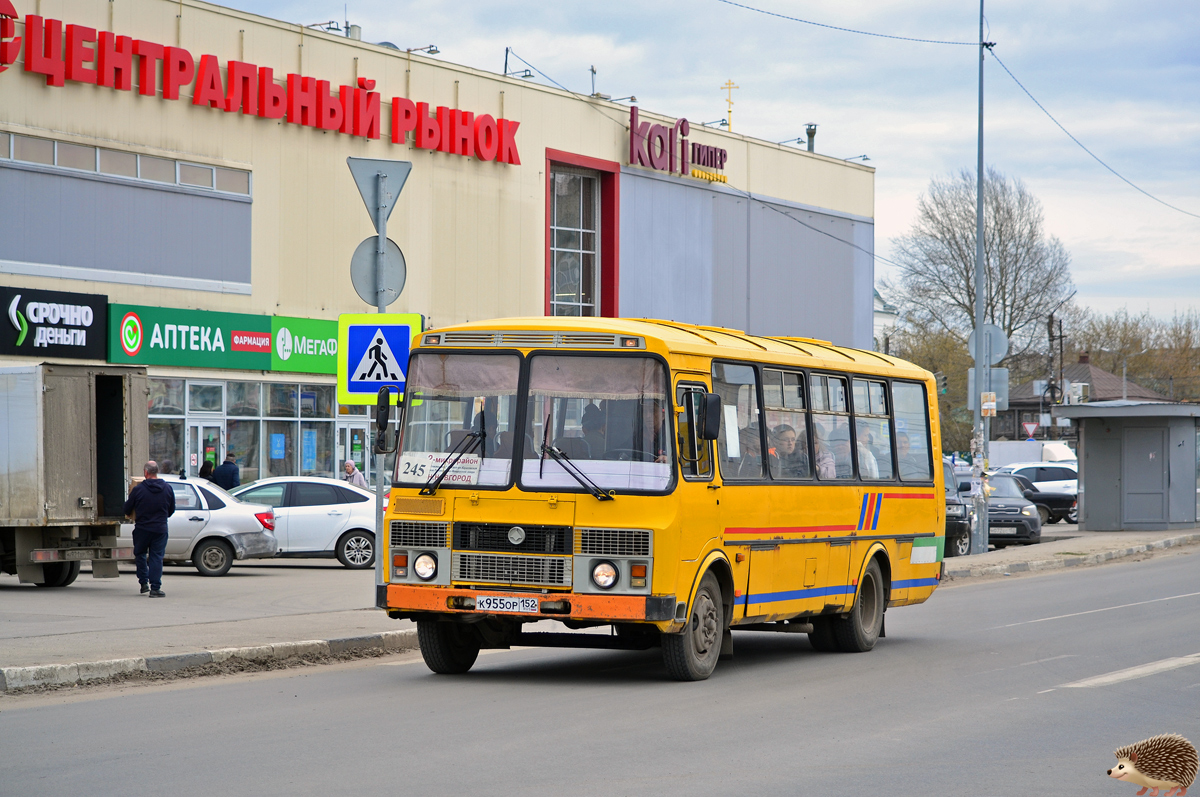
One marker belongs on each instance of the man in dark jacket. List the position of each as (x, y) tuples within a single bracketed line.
[(226, 475), (152, 502)]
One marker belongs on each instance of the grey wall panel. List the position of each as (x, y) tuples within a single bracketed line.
[(1100, 475), (58, 219), (707, 255), (666, 259), (1182, 466)]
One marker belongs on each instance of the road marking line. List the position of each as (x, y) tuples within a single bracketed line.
[(1132, 673), (1095, 611), (1044, 691), (1028, 663)]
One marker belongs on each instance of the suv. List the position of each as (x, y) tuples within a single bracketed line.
[(960, 516), (1049, 477)]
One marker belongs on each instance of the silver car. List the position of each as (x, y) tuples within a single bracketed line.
[(212, 528)]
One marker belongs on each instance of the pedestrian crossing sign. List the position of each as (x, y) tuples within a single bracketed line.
[(373, 353)]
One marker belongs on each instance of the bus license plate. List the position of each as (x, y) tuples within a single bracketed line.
[(1004, 530), (499, 603)]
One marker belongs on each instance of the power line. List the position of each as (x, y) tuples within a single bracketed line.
[(845, 30), (1080, 143), (582, 97)]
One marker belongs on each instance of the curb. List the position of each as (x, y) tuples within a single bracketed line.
[(1062, 562), (22, 677)]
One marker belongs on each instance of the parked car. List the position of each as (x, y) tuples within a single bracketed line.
[(1012, 518), (212, 528), (1052, 507), (318, 517), (960, 516), (1052, 477)]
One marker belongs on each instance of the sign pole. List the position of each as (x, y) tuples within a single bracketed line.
[(979, 540), (381, 303)]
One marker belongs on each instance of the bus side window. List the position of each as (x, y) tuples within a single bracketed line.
[(912, 431), (873, 430), (787, 424), (831, 427), (695, 455), (739, 445)]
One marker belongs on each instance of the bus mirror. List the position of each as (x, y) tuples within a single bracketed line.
[(383, 409), (709, 417)]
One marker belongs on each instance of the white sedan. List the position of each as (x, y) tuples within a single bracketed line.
[(317, 517)]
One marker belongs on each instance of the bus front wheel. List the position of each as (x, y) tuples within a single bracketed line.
[(448, 648), (859, 632), (692, 655)]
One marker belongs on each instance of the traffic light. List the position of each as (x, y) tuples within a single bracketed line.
[(942, 386)]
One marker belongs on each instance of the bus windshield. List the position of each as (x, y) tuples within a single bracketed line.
[(460, 406), (607, 415)]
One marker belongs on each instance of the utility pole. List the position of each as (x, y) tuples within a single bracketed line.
[(979, 540)]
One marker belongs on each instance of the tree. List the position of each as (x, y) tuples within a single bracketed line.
[(940, 351), (1027, 272)]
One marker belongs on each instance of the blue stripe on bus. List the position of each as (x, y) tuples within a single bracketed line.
[(915, 582), (862, 515), (878, 504), (797, 594)]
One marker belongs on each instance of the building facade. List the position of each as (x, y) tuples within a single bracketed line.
[(180, 169)]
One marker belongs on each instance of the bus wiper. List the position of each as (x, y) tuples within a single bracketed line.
[(465, 446), (545, 440), (559, 456)]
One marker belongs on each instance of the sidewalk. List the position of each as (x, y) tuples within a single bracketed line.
[(1060, 551)]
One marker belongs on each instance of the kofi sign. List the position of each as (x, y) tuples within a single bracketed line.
[(110, 60), (54, 323), (667, 149)]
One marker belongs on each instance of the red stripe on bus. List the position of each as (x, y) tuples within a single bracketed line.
[(908, 495), (871, 500), (790, 529)]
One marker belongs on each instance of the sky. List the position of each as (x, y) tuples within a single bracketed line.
[(1123, 77)]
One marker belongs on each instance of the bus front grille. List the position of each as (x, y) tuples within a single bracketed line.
[(614, 542), (419, 534), (550, 571), (500, 536)]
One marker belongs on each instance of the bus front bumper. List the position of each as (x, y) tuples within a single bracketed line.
[(404, 600)]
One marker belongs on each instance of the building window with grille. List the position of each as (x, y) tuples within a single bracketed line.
[(575, 243)]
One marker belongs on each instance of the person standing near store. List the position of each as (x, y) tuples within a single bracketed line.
[(354, 475), (152, 503), (226, 475)]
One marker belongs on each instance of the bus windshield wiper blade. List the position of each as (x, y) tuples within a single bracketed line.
[(559, 456), (465, 446)]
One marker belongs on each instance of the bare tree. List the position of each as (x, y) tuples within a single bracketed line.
[(1027, 271)]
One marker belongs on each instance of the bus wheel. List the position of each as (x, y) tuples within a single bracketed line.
[(448, 648), (692, 655), (822, 638), (859, 632)]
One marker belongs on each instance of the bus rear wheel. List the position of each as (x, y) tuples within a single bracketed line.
[(821, 637), (448, 648), (692, 655), (859, 632)]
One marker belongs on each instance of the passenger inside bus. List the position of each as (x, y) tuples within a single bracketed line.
[(593, 430), (790, 460), (868, 465)]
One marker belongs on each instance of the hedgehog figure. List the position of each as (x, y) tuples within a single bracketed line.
[(1163, 762)]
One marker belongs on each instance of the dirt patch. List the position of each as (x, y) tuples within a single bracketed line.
[(231, 666)]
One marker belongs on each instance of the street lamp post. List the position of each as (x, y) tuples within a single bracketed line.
[(979, 540)]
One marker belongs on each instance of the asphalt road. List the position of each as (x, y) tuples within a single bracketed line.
[(968, 694)]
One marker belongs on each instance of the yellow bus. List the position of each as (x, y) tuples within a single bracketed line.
[(662, 482)]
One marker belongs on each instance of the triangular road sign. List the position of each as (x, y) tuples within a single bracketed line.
[(366, 173), (378, 364), (1030, 427)]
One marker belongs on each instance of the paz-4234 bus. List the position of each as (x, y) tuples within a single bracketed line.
[(673, 482)]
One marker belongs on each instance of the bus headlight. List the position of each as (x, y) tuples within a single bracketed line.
[(425, 566), (604, 575)]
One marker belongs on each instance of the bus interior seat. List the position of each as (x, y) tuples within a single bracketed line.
[(574, 447)]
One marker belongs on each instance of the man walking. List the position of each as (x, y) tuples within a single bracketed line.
[(354, 475), (226, 475), (153, 503)]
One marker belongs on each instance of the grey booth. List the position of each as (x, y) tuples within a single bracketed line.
[(1138, 464)]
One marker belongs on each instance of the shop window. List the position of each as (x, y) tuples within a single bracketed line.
[(316, 401), (158, 170), (166, 397), (73, 156), (122, 164), (241, 441), (574, 244), (281, 401), (279, 448), (5, 138), (244, 398), (33, 150), (316, 449), (205, 397), (352, 409), (166, 444), (199, 176)]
